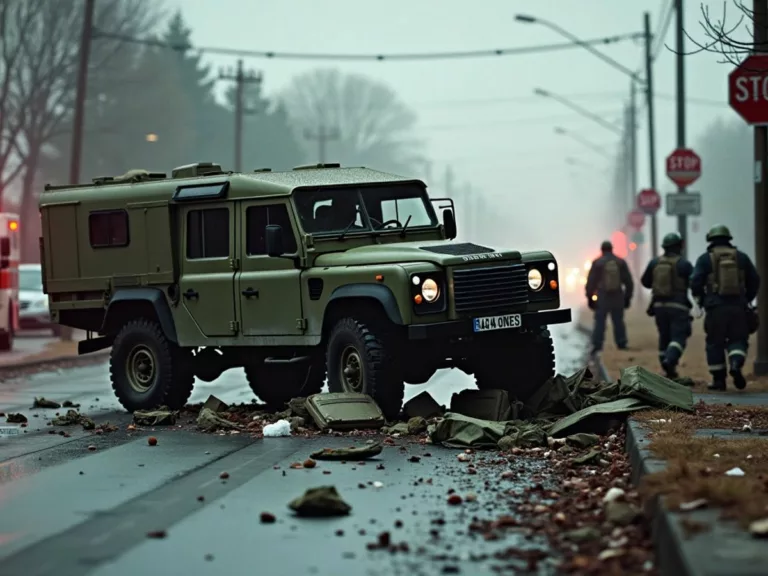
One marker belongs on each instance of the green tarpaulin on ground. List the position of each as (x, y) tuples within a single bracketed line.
[(565, 406)]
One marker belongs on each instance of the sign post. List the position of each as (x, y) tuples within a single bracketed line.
[(748, 96), (683, 168)]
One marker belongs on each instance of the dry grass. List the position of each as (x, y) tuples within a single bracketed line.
[(713, 416), (643, 344)]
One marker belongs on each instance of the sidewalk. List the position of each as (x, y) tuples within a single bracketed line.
[(31, 352)]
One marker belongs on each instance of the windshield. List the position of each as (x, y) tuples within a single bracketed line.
[(31, 280), (363, 209)]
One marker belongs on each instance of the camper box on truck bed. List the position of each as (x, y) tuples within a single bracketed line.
[(319, 271)]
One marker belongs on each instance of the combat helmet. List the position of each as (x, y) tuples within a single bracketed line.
[(719, 231), (671, 239), (606, 246)]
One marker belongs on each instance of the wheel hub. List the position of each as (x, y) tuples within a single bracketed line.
[(352, 370), (141, 368)]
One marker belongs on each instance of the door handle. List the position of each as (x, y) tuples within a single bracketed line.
[(249, 292), (190, 294)]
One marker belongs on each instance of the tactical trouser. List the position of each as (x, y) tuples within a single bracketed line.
[(617, 319), (673, 321), (727, 331)]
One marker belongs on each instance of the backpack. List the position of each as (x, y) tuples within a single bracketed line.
[(665, 278), (726, 278), (611, 276)]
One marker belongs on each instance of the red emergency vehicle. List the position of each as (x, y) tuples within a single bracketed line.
[(10, 243)]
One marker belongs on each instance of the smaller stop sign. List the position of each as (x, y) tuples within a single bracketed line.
[(636, 219), (748, 89), (649, 201), (683, 167)]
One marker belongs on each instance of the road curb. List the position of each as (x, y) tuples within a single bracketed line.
[(724, 549), (10, 371)]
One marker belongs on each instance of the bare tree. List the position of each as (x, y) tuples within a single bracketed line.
[(375, 128), (730, 35)]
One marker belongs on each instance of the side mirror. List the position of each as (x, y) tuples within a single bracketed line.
[(5, 247), (273, 237), (449, 222)]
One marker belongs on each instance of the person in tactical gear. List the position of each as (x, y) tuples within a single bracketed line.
[(609, 291), (724, 282), (668, 278)]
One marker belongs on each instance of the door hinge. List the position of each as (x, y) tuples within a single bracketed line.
[(234, 325), (301, 323), (234, 263)]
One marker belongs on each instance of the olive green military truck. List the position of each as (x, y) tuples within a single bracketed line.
[(320, 271)]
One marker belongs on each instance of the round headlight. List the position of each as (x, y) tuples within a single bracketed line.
[(535, 280), (430, 290)]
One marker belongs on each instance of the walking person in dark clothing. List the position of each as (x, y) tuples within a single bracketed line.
[(609, 292), (668, 278), (724, 283)]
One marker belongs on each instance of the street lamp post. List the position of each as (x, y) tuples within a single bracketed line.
[(647, 84), (583, 141)]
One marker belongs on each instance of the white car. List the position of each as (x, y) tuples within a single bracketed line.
[(33, 303)]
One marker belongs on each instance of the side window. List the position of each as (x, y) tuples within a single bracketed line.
[(108, 229), (258, 218), (208, 233)]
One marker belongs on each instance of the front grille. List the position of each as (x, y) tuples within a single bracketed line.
[(476, 289)]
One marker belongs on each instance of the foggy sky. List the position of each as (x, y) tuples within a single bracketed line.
[(480, 115)]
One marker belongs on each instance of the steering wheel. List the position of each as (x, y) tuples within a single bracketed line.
[(394, 221)]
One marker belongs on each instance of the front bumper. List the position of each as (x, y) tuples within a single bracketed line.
[(458, 328)]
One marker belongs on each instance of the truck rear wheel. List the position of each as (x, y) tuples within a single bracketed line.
[(147, 370), (360, 359), (276, 384), (519, 365)]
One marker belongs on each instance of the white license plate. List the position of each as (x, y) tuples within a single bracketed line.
[(10, 430), (497, 322)]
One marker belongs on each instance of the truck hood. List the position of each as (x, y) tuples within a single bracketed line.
[(441, 253)]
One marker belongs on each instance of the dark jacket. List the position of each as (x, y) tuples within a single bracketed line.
[(684, 271), (595, 278), (703, 269)]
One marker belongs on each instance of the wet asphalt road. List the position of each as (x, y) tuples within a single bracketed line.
[(67, 510)]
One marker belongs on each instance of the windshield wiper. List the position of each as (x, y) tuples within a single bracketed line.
[(402, 232), (347, 229)]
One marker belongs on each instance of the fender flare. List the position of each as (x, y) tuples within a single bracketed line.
[(156, 298), (378, 292)]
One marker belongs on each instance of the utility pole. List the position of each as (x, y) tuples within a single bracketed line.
[(79, 118), (760, 38), (651, 128), (241, 78), (682, 223), (322, 136)]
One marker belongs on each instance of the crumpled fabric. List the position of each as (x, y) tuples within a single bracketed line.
[(564, 407)]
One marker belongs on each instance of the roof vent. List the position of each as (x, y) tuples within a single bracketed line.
[(194, 170), (263, 170), (318, 166)]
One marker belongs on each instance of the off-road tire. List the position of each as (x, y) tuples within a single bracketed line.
[(173, 379), (519, 365), (6, 337), (276, 384), (382, 378)]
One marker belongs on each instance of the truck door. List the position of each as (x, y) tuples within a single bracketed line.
[(207, 280), (269, 288)]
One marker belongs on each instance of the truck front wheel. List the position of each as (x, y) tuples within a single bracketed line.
[(276, 384), (519, 365), (360, 359), (147, 370)]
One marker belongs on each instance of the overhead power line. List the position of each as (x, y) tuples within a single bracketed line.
[(535, 99), (662, 32), (100, 34)]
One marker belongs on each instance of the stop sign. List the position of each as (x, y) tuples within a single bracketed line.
[(748, 89), (683, 167), (649, 201), (636, 219)]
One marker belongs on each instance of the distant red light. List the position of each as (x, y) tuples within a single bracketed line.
[(619, 241)]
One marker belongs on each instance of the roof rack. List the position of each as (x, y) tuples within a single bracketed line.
[(197, 169), (318, 166), (132, 176)]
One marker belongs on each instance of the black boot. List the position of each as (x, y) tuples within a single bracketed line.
[(738, 378), (718, 381), (669, 369)]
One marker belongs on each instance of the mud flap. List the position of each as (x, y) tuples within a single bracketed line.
[(484, 405), (344, 411)]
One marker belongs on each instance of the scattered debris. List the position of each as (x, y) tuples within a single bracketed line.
[(613, 494), (278, 429), (759, 528), (735, 472), (344, 411), (163, 416), (224, 475), (152, 441), (215, 405), (416, 425), (693, 505), (73, 417), (482, 404), (352, 453), (424, 406), (157, 534), (309, 463), (267, 518), (45, 403), (209, 421), (16, 418), (320, 502)]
